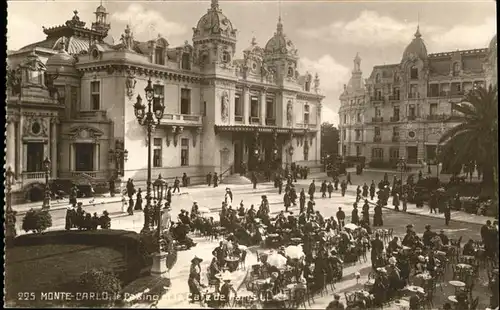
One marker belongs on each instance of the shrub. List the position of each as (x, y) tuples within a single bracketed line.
[(37, 221), (101, 188), (103, 281)]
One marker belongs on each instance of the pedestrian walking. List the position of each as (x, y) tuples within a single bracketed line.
[(358, 193), (330, 189), (184, 180), (354, 214), (343, 187), (312, 189), (377, 215), (254, 180), (447, 214), (372, 190), (112, 187), (138, 200), (280, 184), (340, 218), (216, 179), (336, 183), (176, 185), (349, 178), (433, 203), (302, 200), (365, 190), (209, 179), (395, 201), (323, 189), (404, 201)]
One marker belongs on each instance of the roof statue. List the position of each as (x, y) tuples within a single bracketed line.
[(75, 21), (316, 82), (127, 39)]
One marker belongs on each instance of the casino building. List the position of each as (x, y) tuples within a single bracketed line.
[(71, 96), (402, 109)]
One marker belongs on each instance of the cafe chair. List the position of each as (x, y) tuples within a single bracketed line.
[(474, 303), (242, 262), (428, 298), (350, 299), (299, 296)]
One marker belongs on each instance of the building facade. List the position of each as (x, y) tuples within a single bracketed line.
[(71, 99), (409, 105)]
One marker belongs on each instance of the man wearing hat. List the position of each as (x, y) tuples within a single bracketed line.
[(194, 279), (427, 236), (444, 238), (336, 304), (226, 289)]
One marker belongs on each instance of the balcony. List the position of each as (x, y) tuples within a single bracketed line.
[(377, 139), (33, 175), (395, 138), (437, 117), (412, 117), (457, 94), (377, 99), (395, 119), (182, 120), (377, 119), (414, 96), (310, 126), (94, 115), (238, 119), (254, 120), (270, 121), (394, 98)]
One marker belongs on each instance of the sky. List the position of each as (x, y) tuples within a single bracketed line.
[(327, 34)]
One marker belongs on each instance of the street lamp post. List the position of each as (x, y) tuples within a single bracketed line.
[(46, 198), (402, 166), (159, 266), (10, 215), (438, 167), (147, 119)]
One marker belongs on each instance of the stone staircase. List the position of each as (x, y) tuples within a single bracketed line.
[(236, 179)]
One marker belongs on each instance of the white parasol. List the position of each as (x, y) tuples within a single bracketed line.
[(276, 260), (242, 247), (351, 226), (204, 210), (294, 252)]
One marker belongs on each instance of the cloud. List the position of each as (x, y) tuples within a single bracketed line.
[(146, 24), (371, 29), (332, 74), (329, 115), (21, 31), (368, 29), (463, 36)]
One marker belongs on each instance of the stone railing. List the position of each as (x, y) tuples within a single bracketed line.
[(270, 122), (33, 175), (254, 120), (181, 119)]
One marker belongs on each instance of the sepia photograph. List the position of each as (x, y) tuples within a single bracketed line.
[(251, 154)]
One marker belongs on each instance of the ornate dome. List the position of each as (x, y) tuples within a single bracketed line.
[(416, 47), (254, 48), (61, 62), (214, 23), (100, 9), (280, 44)]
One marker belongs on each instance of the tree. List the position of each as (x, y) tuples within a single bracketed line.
[(475, 138), (329, 139)]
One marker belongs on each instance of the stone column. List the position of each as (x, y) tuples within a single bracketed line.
[(72, 157), (246, 106), (96, 156), (11, 143), (20, 151), (53, 147), (263, 107)]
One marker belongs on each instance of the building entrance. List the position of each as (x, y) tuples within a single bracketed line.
[(84, 157)]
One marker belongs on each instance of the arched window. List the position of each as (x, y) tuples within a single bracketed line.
[(226, 57), (413, 73), (456, 69), (396, 77), (186, 61), (308, 85), (377, 78)]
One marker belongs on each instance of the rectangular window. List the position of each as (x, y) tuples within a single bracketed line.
[(185, 101), (395, 93), (157, 152), (377, 154), (306, 114), (254, 106), (95, 95), (433, 109), (61, 94), (269, 108), (394, 153), (184, 152), (345, 118), (159, 56), (413, 92), (186, 61), (395, 114), (204, 108), (358, 150), (358, 134), (238, 109), (378, 94), (378, 112), (159, 91), (395, 131), (358, 118), (411, 112), (344, 134), (344, 149), (377, 131)]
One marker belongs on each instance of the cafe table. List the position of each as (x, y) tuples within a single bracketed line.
[(463, 266), (415, 289), (232, 263), (457, 285)]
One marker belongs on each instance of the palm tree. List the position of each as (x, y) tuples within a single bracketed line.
[(475, 138)]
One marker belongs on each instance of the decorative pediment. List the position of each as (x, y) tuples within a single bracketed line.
[(85, 132), (36, 127)]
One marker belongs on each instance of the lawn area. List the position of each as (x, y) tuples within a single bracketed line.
[(54, 261)]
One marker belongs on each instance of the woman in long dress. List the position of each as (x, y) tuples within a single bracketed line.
[(194, 279), (138, 200), (377, 216)]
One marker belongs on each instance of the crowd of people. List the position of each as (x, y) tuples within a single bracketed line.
[(78, 218)]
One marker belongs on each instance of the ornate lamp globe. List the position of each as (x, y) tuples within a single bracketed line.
[(139, 108), (46, 163)]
